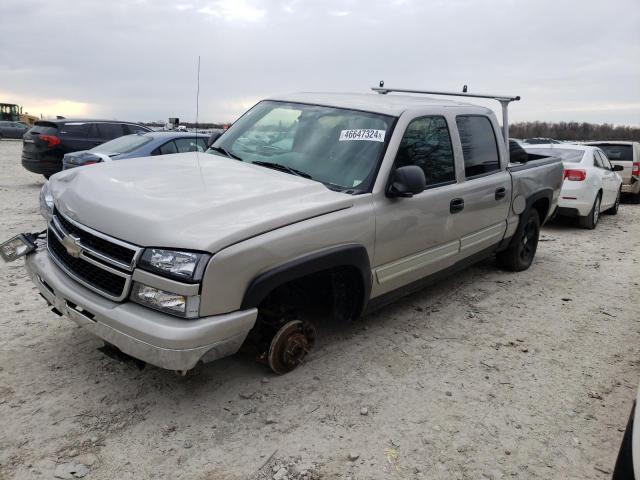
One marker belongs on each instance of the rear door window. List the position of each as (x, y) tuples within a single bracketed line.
[(167, 148), (109, 131), (76, 129), (479, 145), (188, 145)]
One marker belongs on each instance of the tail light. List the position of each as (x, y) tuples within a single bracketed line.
[(576, 175), (90, 162), (636, 169), (51, 140)]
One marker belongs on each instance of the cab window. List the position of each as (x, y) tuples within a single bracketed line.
[(479, 145), (188, 145), (427, 144)]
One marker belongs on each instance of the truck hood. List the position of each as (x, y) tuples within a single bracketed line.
[(195, 201)]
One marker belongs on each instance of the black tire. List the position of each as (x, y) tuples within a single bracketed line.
[(522, 249), (614, 210), (634, 198), (591, 220), (623, 469)]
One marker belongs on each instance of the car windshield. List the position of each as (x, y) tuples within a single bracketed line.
[(564, 154), (338, 147), (617, 152), (125, 144)]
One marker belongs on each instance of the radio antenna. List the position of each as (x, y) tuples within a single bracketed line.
[(198, 96)]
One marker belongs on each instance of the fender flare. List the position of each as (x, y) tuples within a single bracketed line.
[(545, 193), (349, 255)]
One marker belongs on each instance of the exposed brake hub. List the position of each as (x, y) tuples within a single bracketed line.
[(290, 346)]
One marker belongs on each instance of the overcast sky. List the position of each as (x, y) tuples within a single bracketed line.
[(136, 59)]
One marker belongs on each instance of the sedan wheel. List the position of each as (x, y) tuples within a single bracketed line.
[(591, 220), (614, 210)]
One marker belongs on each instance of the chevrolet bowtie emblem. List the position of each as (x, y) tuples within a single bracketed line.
[(72, 244)]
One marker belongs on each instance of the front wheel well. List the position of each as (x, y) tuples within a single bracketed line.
[(336, 292)]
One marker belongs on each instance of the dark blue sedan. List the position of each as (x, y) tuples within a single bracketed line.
[(137, 145)]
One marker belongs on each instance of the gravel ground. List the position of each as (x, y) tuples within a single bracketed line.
[(488, 374)]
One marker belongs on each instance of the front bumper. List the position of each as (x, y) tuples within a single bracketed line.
[(154, 337)]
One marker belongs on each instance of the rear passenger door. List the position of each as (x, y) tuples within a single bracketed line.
[(485, 197), (74, 136)]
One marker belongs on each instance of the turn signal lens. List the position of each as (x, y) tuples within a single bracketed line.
[(575, 175), (636, 169)]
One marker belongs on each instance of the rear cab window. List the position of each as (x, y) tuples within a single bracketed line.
[(479, 145), (620, 153)]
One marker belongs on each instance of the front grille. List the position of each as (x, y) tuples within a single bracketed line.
[(101, 245), (93, 275)]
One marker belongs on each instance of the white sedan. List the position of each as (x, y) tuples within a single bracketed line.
[(591, 184)]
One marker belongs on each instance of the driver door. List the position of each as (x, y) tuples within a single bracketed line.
[(415, 236)]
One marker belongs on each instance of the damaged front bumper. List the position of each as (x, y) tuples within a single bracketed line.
[(154, 337)]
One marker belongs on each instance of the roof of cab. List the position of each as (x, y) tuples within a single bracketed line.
[(389, 104)]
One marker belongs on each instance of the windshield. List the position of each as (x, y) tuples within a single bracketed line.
[(340, 148), (125, 144), (566, 155), (617, 152)]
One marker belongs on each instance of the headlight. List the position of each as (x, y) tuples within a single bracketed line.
[(46, 201), (173, 303), (185, 266)]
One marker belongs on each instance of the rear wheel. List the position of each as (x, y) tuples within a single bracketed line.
[(634, 198), (591, 220), (522, 249), (614, 210)]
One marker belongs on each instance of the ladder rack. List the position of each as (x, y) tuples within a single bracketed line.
[(503, 99)]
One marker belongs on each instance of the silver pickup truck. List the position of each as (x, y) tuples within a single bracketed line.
[(310, 206)]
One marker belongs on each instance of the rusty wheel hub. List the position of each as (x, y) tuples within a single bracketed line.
[(290, 346)]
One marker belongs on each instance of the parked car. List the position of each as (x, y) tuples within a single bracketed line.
[(46, 143), (137, 145), (540, 140), (176, 259), (627, 155), (12, 129), (591, 184)]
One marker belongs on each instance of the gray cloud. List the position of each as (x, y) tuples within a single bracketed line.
[(569, 60)]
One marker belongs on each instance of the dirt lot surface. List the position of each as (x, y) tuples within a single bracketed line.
[(488, 374)]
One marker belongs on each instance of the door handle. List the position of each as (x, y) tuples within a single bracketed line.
[(456, 205), (501, 193)]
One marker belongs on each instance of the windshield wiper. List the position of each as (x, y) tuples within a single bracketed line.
[(226, 152), (283, 168)]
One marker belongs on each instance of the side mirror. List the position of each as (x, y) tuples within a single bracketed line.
[(407, 181), (212, 139), (617, 168)]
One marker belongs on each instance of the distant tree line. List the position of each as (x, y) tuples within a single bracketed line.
[(574, 131)]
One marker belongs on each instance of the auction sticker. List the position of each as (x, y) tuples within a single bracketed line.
[(362, 134)]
